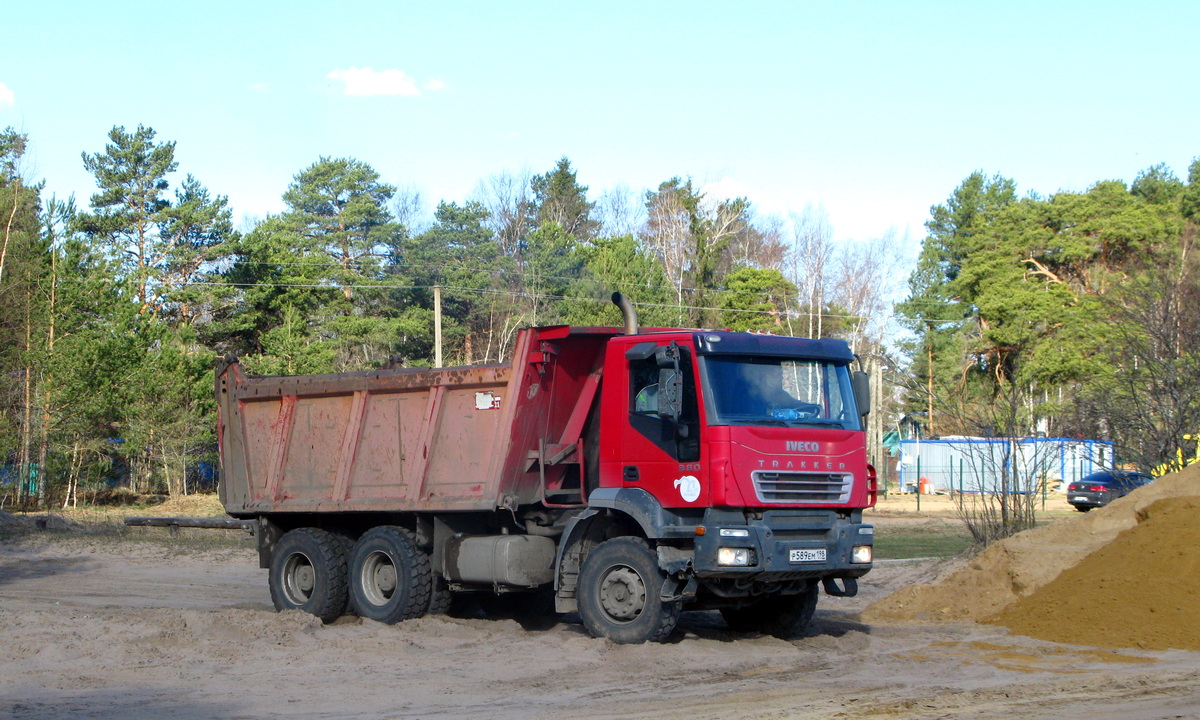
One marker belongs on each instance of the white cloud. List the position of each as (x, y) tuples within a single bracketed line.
[(260, 87), (365, 82), (7, 97), (433, 84)]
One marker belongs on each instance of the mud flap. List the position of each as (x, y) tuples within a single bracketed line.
[(849, 587)]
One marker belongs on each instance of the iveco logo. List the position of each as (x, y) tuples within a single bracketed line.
[(797, 446)]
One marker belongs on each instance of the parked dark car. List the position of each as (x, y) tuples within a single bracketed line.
[(1103, 487)]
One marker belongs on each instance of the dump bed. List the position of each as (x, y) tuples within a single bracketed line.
[(396, 440)]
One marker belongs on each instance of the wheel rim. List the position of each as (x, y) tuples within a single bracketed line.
[(299, 579), (378, 578), (622, 594)]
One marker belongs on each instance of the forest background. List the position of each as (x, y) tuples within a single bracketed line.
[(1070, 315)]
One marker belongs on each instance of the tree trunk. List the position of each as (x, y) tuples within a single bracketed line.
[(27, 415), (71, 497), (8, 225), (44, 446), (172, 482)]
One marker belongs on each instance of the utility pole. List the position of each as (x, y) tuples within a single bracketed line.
[(437, 325), (876, 452), (930, 389), (875, 421)]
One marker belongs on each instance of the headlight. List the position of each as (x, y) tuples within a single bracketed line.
[(735, 532), (735, 557), (861, 554)]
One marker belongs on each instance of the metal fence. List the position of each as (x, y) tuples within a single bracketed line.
[(1015, 465)]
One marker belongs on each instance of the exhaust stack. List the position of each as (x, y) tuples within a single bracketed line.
[(628, 314)]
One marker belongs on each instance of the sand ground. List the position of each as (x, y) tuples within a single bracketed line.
[(91, 628)]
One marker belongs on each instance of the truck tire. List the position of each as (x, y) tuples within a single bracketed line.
[(784, 616), (348, 550), (618, 595), (440, 597), (308, 572), (390, 578)]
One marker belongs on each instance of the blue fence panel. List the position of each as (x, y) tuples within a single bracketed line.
[(1015, 465)]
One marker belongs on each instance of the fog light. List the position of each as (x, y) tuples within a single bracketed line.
[(735, 532), (861, 554), (735, 557)]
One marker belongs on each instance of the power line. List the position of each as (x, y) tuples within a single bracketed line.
[(486, 271), (517, 293)]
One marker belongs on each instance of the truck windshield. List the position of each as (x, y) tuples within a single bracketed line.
[(751, 390)]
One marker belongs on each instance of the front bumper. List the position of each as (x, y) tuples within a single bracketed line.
[(784, 545)]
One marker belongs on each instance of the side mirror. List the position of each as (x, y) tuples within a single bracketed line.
[(667, 356), (670, 393), (861, 383)]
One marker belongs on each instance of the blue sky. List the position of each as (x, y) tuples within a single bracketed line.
[(872, 110)]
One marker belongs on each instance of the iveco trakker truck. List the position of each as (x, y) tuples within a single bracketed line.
[(627, 473)]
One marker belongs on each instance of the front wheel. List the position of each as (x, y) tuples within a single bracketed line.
[(784, 616), (390, 577), (308, 572), (619, 593)]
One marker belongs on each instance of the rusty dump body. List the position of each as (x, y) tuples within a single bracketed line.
[(470, 438)]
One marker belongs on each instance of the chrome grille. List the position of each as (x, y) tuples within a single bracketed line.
[(802, 488)]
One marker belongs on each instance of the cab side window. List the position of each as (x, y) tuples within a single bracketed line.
[(679, 439), (643, 386)]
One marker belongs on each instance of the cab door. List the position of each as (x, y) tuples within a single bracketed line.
[(657, 440)]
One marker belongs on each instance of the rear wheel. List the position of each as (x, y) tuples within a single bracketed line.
[(440, 597), (308, 572), (390, 578), (619, 593), (784, 616)]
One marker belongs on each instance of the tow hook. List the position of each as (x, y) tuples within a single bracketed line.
[(849, 587), (676, 589)]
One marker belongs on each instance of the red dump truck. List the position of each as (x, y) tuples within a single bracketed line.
[(628, 474)]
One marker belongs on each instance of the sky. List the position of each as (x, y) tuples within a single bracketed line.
[(869, 111)]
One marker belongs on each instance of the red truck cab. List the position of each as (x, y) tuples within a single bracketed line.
[(742, 458)]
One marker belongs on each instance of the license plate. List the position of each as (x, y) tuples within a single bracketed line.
[(806, 555), (1079, 499)]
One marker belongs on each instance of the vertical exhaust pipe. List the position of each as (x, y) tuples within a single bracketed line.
[(628, 314)]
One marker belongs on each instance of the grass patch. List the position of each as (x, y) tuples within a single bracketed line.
[(82, 535), (938, 540), (103, 524)]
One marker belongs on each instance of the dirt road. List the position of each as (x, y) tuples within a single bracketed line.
[(92, 629)]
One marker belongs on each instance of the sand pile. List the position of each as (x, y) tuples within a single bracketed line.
[(1140, 590), (1020, 566)]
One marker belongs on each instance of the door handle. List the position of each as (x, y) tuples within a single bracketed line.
[(630, 474)]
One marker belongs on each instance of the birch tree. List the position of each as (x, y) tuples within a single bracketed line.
[(811, 258), (862, 282), (672, 223), (619, 212)]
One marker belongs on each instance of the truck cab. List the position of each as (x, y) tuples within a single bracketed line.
[(741, 459)]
